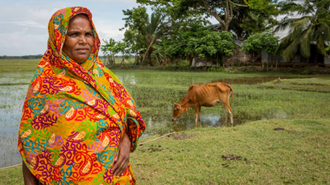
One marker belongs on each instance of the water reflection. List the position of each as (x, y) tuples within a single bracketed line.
[(11, 103)]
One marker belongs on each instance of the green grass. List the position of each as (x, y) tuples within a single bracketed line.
[(18, 65), (302, 84), (296, 155), (12, 175)]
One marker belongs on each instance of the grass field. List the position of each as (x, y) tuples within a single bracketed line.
[(20, 65), (296, 153)]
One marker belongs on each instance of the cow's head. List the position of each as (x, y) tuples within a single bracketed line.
[(178, 110)]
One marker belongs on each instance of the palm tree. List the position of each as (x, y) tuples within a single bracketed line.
[(108, 50), (151, 32), (312, 26)]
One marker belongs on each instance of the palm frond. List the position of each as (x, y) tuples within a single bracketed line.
[(324, 31), (320, 46), (305, 42), (291, 50)]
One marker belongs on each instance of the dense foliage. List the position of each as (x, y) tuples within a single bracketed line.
[(260, 41), (181, 29), (309, 24)]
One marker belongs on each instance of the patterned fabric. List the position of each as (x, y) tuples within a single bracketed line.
[(75, 115)]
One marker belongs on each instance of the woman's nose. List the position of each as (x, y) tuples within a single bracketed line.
[(82, 39)]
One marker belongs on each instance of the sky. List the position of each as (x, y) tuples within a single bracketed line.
[(24, 23)]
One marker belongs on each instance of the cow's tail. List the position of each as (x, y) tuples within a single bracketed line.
[(232, 94)]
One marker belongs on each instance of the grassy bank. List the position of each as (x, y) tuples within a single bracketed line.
[(296, 155)]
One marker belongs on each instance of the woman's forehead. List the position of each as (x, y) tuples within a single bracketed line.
[(80, 23)]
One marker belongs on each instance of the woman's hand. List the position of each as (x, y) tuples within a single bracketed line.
[(122, 160)]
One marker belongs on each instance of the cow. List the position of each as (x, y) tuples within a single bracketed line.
[(207, 95)]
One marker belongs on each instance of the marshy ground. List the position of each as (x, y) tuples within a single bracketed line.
[(263, 103)]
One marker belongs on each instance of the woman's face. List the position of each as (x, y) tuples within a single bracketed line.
[(79, 39)]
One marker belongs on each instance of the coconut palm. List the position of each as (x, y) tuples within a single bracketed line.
[(311, 27)]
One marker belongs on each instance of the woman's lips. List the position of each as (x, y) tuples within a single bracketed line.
[(82, 50)]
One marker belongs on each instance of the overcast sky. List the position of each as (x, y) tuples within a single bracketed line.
[(24, 23)]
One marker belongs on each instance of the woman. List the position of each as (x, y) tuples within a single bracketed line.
[(79, 124)]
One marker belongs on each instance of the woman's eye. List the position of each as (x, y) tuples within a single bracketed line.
[(89, 34), (73, 34)]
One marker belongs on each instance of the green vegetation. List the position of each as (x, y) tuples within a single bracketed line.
[(311, 28), (12, 175), (180, 30), (296, 155), (25, 65), (18, 65), (303, 84), (156, 91)]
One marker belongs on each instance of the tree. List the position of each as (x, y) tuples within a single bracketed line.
[(152, 32), (241, 17), (222, 11), (204, 42), (120, 47), (311, 26), (258, 17), (143, 31), (261, 41), (109, 50)]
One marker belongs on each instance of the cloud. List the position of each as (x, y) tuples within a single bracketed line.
[(24, 22)]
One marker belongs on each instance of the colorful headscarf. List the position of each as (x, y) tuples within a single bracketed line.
[(74, 115)]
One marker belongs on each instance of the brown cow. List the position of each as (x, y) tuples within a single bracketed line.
[(207, 95)]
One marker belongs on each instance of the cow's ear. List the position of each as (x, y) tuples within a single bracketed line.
[(175, 103)]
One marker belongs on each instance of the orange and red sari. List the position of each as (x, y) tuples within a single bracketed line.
[(75, 115)]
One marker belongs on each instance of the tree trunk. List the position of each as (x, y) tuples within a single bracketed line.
[(190, 59), (276, 62), (272, 62), (264, 60), (147, 50)]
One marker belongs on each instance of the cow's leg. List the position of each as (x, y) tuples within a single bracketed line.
[(196, 115), (226, 116), (229, 111), (199, 113)]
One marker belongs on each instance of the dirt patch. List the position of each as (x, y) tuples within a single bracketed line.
[(278, 128), (152, 149), (181, 136), (231, 157)]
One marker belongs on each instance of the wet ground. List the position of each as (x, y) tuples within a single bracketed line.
[(154, 92)]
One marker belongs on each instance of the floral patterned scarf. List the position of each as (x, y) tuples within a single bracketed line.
[(74, 115)]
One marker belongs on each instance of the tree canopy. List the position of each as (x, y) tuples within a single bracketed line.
[(181, 29), (310, 26)]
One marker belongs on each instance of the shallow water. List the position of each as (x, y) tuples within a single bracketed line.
[(11, 103), (154, 92)]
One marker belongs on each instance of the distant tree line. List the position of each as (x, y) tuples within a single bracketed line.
[(21, 57)]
